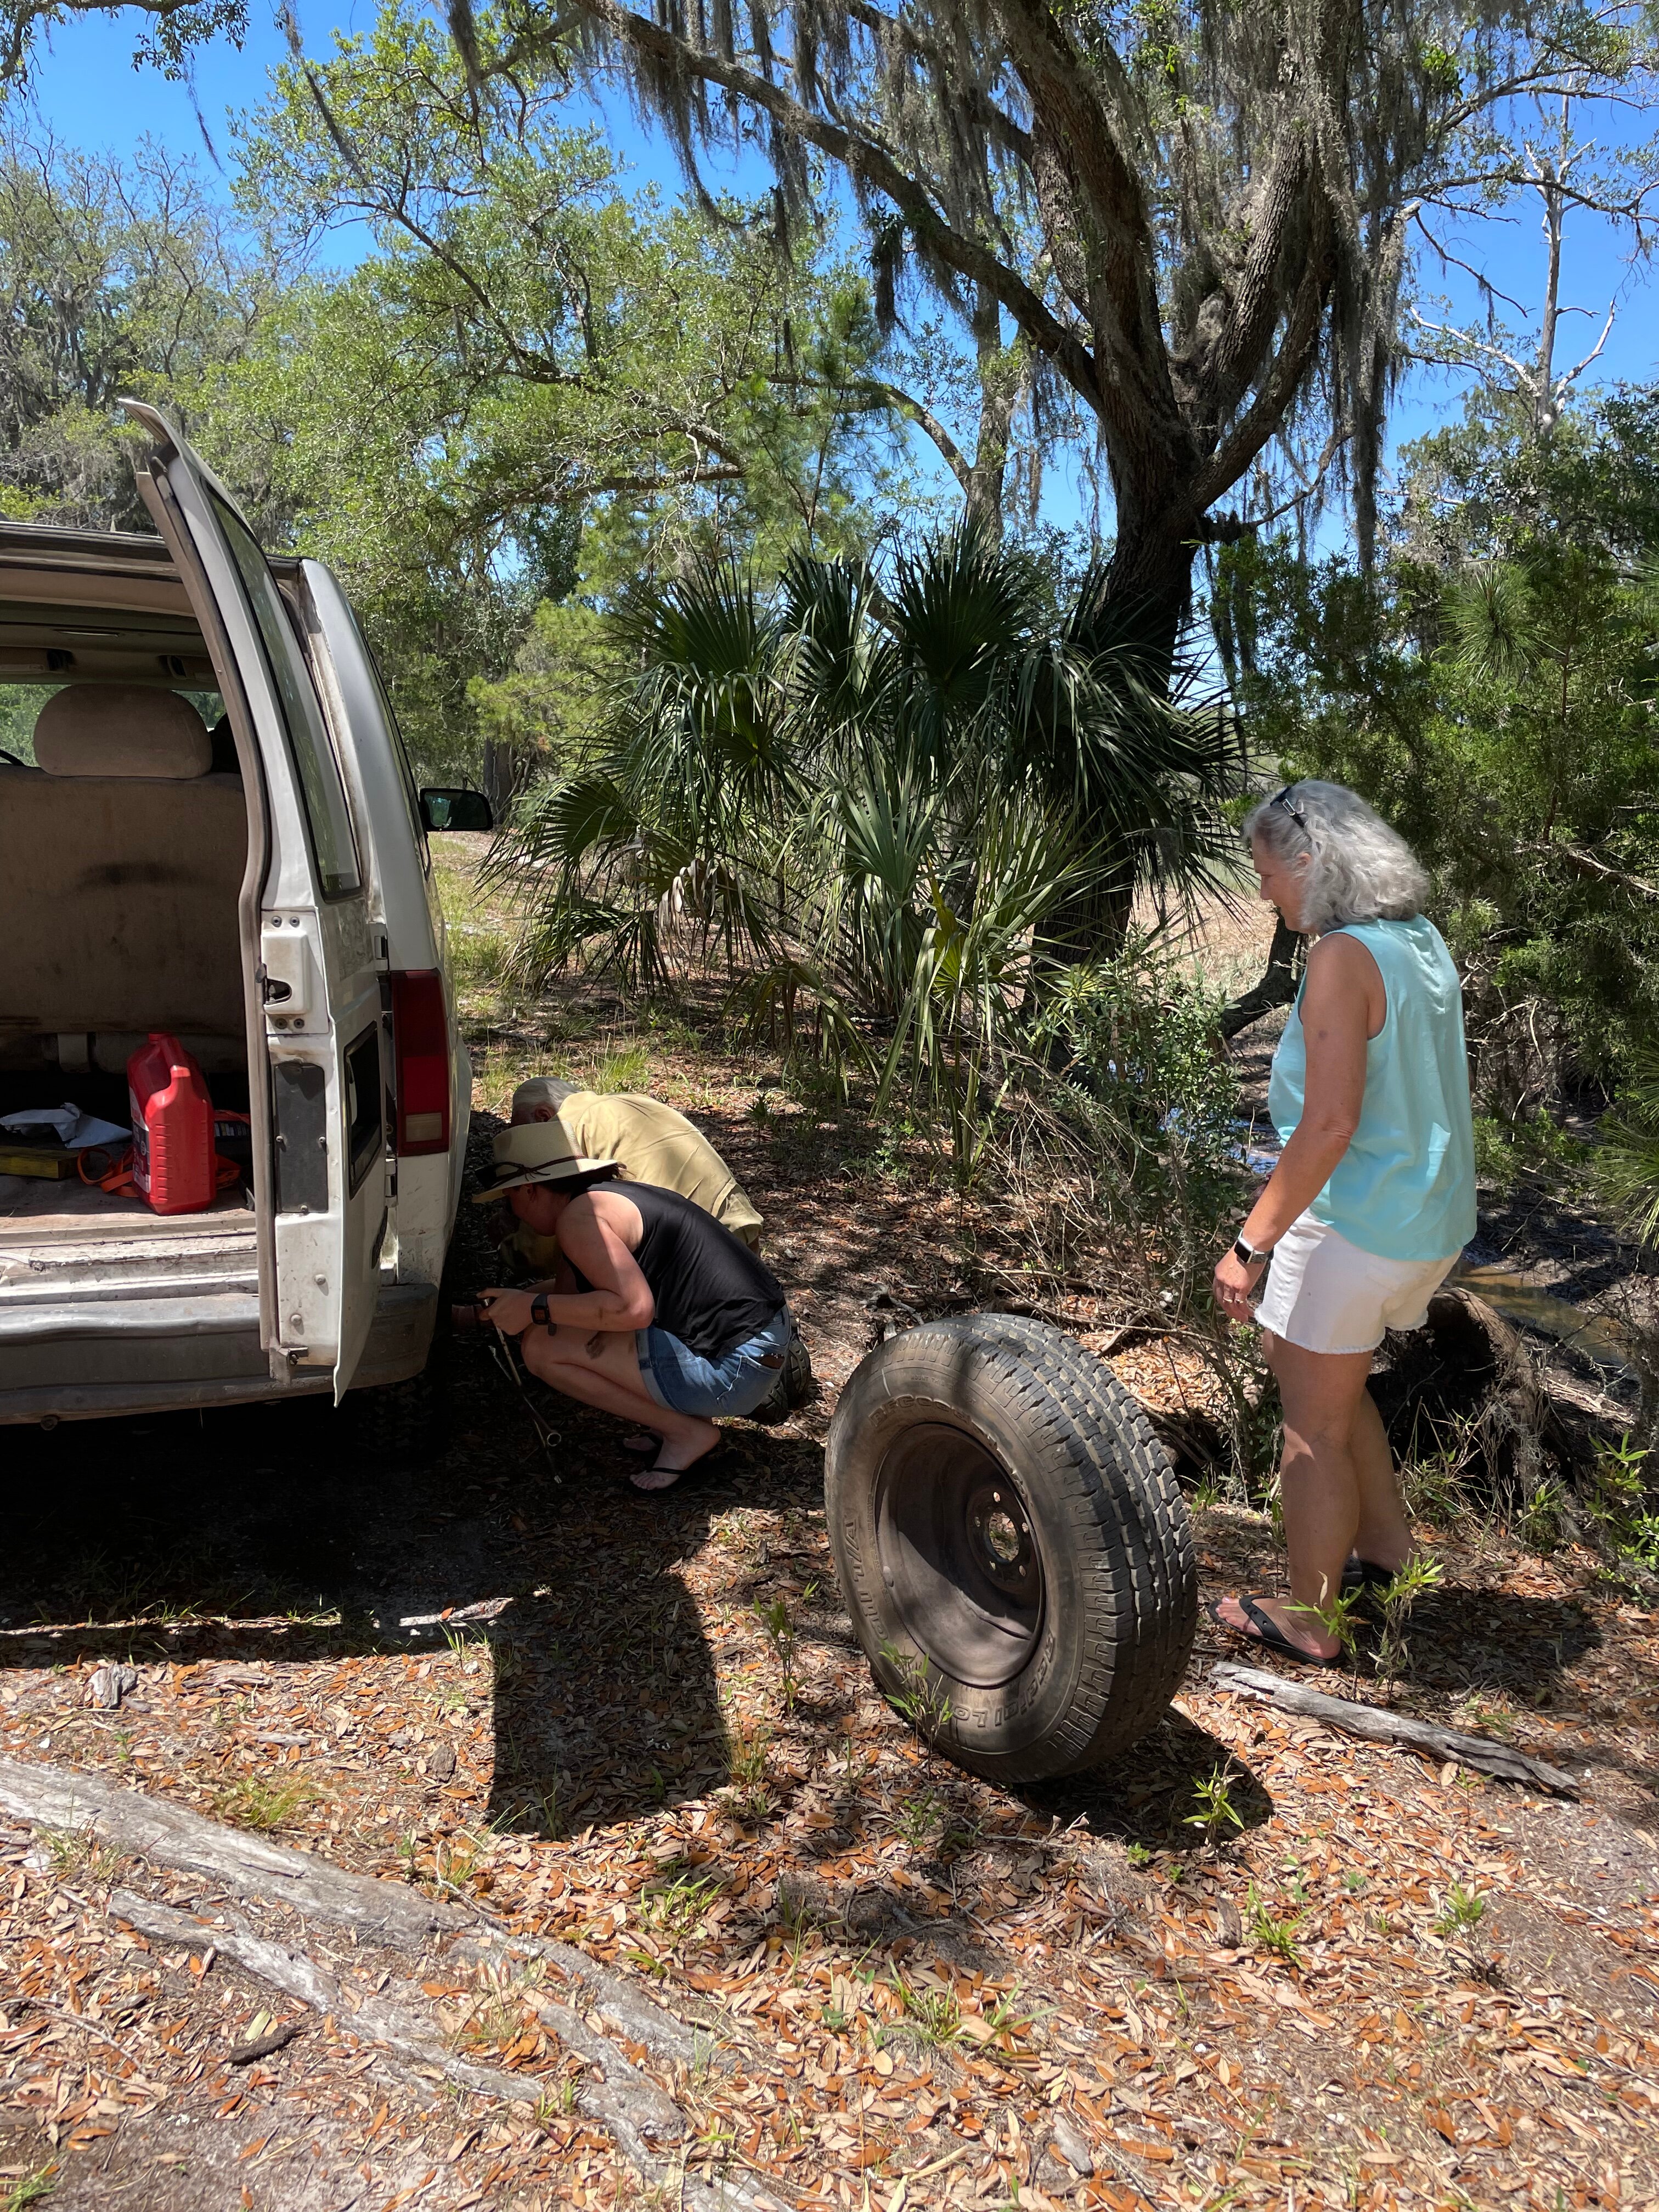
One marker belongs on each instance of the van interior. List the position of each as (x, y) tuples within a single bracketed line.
[(123, 835)]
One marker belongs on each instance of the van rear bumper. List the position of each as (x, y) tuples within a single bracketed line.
[(85, 1359)]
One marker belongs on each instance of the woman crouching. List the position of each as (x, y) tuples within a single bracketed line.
[(657, 1314), (1371, 1202)]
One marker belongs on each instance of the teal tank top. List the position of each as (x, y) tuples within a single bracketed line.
[(1405, 1188)]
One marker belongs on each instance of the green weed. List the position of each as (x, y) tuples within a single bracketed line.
[(1539, 1525), (1217, 1811), (774, 1618), (1396, 1601), (1005, 2017), (30, 2189), (1462, 1912), (919, 1818), (1269, 1934), (558, 2102), (746, 1766), (498, 2016), (1620, 1507), (933, 2016), (921, 1697), (262, 1805), (676, 1902), (80, 1854)]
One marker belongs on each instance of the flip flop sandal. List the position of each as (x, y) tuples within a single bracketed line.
[(1263, 1630), (1370, 1580), (683, 1477)]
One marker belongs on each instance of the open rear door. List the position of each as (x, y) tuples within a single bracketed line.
[(319, 957)]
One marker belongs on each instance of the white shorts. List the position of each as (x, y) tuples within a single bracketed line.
[(1326, 1295)]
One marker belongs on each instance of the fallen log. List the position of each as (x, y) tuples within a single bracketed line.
[(622, 2099), (1379, 1726), (383, 1912)]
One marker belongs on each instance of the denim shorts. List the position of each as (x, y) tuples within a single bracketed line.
[(684, 1381)]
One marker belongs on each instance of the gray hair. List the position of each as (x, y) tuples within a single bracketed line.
[(540, 1091), (1359, 869)]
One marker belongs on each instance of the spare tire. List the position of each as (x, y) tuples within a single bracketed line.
[(1011, 1545)]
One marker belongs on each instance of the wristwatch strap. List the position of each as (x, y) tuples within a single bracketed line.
[(538, 1315), (1246, 1256)]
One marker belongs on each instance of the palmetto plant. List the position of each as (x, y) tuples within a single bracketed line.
[(893, 812)]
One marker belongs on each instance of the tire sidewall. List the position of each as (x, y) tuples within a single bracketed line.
[(987, 1727)]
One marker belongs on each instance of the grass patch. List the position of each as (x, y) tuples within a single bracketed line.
[(932, 2016), (1271, 1934), (79, 1854), (262, 1805), (627, 1070), (499, 2016), (746, 1766), (675, 1903), (480, 959), (30, 2190)]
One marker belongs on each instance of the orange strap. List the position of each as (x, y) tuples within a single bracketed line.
[(117, 1178)]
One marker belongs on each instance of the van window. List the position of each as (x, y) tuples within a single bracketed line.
[(400, 751), (324, 793)]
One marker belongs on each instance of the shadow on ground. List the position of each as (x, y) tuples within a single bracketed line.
[(272, 1533)]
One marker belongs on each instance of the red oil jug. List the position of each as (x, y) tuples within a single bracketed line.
[(172, 1162)]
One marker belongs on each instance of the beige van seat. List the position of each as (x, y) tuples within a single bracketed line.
[(121, 862)]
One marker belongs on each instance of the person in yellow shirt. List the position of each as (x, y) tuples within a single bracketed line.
[(652, 1144)]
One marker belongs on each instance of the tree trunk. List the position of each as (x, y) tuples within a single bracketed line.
[(1001, 385), (499, 777), (1277, 987)]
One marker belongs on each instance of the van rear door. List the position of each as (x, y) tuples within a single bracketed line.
[(321, 957)]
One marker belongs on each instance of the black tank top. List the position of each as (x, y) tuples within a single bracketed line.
[(710, 1290)]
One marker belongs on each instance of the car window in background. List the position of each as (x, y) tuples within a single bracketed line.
[(20, 710)]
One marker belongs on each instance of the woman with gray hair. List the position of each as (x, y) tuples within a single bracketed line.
[(1373, 1197)]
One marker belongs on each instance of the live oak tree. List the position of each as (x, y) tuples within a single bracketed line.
[(1198, 217)]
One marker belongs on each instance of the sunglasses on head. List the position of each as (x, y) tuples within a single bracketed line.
[(1283, 799)]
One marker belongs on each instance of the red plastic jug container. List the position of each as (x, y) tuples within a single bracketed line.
[(172, 1127)]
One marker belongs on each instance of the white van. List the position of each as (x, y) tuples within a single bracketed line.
[(209, 826)]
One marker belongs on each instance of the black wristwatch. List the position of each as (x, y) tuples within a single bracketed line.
[(1246, 1256), (538, 1314)]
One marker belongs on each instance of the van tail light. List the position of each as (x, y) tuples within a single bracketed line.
[(420, 1043)]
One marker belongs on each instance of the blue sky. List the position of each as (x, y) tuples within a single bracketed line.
[(87, 89)]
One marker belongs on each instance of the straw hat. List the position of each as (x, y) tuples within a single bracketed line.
[(535, 1151)]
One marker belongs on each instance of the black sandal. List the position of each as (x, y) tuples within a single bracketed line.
[(1369, 1580), (1265, 1630), (683, 1476)]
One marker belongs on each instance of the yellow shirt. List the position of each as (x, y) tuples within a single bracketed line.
[(653, 1143)]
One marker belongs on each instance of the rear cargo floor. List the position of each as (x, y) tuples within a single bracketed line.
[(33, 1206)]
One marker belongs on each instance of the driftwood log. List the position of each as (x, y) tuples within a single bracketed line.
[(397, 2018), (1378, 1726)]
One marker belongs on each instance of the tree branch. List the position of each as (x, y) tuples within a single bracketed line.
[(1588, 864), (866, 163)]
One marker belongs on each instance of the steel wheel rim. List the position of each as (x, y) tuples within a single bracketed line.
[(959, 1555)]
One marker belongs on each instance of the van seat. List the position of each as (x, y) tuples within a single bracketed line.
[(122, 859)]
